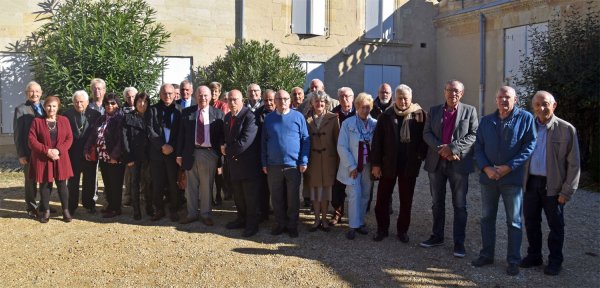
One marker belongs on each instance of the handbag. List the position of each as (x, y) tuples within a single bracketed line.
[(92, 153)]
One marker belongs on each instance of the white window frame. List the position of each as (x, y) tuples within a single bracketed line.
[(308, 17), (379, 19), (517, 46), (314, 70)]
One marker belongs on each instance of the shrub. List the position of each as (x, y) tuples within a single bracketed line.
[(116, 40), (248, 62), (565, 61)]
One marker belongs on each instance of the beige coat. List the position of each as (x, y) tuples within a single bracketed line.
[(323, 160)]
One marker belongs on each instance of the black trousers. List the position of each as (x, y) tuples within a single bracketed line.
[(264, 196), (139, 185), (164, 175), (535, 200), (31, 190), (112, 175), (63, 194), (89, 186), (246, 197), (338, 196)]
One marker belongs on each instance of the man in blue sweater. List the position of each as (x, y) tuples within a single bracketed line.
[(285, 147), (505, 140)]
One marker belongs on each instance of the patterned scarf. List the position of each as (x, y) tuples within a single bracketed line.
[(407, 114)]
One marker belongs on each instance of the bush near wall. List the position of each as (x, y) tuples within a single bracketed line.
[(116, 40), (565, 61), (247, 62)]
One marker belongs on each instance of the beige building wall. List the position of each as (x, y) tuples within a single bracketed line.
[(458, 40), (203, 29), (346, 23)]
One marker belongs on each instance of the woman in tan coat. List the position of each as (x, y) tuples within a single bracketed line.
[(323, 128)]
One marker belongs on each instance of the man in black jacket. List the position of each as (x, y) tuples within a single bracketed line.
[(82, 118), (242, 153), (163, 127)]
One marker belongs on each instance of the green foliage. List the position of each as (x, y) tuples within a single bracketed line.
[(252, 62), (116, 40), (566, 62)]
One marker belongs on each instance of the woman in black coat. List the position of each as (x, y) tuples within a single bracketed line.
[(136, 141), (107, 146)]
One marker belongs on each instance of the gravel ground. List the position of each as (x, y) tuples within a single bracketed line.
[(121, 252)]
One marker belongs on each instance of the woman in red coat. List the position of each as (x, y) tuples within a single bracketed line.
[(49, 140)]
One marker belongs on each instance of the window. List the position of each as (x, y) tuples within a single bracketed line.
[(308, 17), (176, 70), (517, 46), (376, 75), (14, 76), (379, 19), (314, 70)]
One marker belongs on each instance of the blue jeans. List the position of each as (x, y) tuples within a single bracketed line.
[(459, 184), (513, 201)]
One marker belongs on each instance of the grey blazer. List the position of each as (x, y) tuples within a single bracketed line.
[(463, 137)]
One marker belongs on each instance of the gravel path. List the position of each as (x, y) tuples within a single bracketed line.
[(121, 252)]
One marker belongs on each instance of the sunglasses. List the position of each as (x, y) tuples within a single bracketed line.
[(112, 103)]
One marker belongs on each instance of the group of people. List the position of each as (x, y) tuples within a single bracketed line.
[(275, 147)]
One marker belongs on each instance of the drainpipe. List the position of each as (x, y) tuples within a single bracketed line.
[(239, 20), (481, 64)]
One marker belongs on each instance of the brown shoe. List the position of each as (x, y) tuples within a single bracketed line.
[(188, 220), (158, 215), (207, 221)]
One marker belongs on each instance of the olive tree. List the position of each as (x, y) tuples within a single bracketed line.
[(248, 62), (565, 61), (116, 40)]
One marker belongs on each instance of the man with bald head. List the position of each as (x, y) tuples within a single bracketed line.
[(285, 146), (383, 100), (163, 119), (198, 152), (316, 85), (505, 140), (241, 150), (552, 176)]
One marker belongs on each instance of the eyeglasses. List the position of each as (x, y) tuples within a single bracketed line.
[(112, 103), (283, 99), (453, 91), (255, 90)]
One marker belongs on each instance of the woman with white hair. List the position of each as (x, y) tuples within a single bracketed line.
[(354, 149)]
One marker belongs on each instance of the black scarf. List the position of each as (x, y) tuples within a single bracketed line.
[(167, 113)]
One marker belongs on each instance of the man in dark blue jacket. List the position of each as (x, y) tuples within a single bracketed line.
[(505, 140), (242, 159)]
